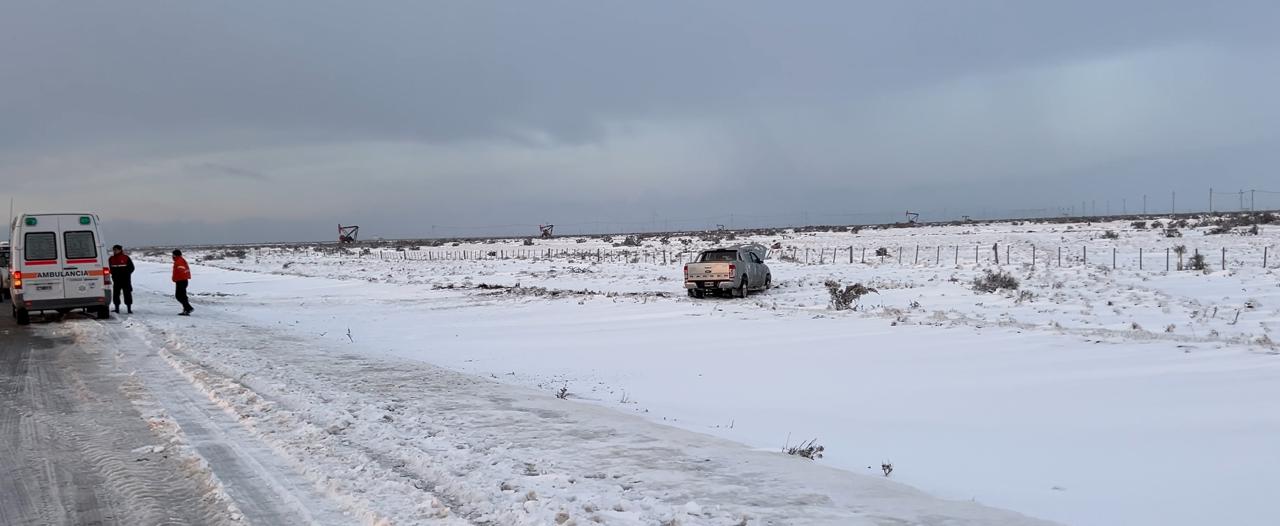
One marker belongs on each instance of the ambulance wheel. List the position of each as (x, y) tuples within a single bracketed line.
[(104, 313), (23, 317)]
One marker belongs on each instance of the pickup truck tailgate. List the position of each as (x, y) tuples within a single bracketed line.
[(718, 271)]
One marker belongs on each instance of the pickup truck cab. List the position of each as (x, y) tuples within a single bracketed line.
[(736, 270), (57, 263)]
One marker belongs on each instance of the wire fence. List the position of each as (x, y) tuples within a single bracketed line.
[(1173, 257)]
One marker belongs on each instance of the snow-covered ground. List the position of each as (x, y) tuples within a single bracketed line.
[(1093, 395)]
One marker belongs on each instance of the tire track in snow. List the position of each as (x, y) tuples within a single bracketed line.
[(241, 473), (70, 441)]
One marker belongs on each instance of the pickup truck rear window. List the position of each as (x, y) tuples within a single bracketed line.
[(40, 246), (719, 255)]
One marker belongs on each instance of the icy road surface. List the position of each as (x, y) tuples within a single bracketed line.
[(96, 429)]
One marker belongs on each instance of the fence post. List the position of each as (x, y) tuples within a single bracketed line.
[(1224, 258), (1033, 257), (957, 255), (1008, 253), (1139, 258), (899, 255), (938, 260), (850, 255), (1264, 257), (1059, 257), (975, 255), (917, 255), (1085, 251), (1113, 258), (864, 255), (1166, 259)]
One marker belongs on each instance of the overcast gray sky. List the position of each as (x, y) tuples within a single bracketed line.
[(188, 122)]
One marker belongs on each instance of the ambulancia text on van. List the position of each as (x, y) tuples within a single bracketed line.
[(57, 263)]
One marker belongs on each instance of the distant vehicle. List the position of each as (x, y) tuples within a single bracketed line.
[(5, 273), (58, 264), (737, 270)]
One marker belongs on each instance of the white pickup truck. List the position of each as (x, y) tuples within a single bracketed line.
[(737, 270)]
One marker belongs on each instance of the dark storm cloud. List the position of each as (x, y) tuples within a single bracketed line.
[(221, 170), (497, 113)]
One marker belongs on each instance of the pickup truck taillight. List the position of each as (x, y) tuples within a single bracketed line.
[(17, 279), (732, 268), (686, 270)]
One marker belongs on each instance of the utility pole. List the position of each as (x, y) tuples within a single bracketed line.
[(1210, 199), (1251, 208), (1144, 204), (1242, 200)]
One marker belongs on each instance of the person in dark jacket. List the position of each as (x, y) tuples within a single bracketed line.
[(121, 278), (181, 276)]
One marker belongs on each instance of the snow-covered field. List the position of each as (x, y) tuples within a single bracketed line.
[(1093, 395)]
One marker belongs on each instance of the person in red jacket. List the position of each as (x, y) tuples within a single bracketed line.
[(181, 276), (121, 278)]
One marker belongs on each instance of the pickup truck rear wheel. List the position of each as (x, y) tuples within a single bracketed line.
[(741, 291)]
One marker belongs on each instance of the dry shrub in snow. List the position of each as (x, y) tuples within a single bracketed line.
[(993, 281), (1197, 262), (1110, 234), (810, 450), (882, 252), (846, 297)]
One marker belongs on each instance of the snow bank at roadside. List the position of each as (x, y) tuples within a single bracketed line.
[(413, 443)]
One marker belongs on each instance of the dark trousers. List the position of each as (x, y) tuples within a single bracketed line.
[(117, 288), (180, 292)]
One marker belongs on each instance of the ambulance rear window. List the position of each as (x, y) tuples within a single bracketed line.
[(40, 246), (80, 244)]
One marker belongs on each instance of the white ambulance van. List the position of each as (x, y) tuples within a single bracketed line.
[(57, 263)]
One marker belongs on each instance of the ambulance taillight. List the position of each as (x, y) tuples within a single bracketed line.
[(17, 280), (106, 276)]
